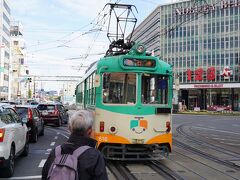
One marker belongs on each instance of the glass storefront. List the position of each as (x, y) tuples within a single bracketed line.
[(212, 99)]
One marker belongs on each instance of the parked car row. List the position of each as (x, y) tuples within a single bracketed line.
[(33, 119), (13, 139), (20, 124), (219, 108)]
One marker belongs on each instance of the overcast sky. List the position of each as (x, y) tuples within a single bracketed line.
[(56, 32)]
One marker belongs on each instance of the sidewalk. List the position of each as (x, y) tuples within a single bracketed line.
[(222, 113)]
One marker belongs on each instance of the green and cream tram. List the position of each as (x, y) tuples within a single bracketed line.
[(131, 98)]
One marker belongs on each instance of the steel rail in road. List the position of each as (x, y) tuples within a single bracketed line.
[(204, 154), (164, 171), (180, 130), (227, 173), (120, 170)]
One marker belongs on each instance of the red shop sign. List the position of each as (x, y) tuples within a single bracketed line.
[(199, 74)]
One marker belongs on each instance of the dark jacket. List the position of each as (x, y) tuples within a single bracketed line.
[(91, 163)]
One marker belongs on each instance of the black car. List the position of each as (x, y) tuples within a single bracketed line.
[(53, 113), (34, 120)]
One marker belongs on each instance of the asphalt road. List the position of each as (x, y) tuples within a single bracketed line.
[(221, 131), (30, 167)]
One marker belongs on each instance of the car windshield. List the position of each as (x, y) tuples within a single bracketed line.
[(22, 111), (46, 107)]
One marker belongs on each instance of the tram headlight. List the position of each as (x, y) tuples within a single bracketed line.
[(140, 49), (113, 129)]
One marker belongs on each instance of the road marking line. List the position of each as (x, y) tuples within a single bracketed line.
[(211, 127), (52, 144), (55, 137), (60, 133), (65, 136), (236, 125), (219, 139), (214, 135), (27, 177), (41, 164), (47, 153), (217, 130), (233, 144), (48, 150)]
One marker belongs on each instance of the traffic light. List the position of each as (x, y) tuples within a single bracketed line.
[(29, 79)]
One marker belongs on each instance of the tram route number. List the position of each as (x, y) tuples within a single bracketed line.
[(102, 138)]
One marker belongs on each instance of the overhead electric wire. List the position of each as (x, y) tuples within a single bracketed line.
[(97, 28), (68, 34)]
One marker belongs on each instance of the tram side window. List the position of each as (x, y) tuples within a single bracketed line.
[(119, 88), (154, 89)]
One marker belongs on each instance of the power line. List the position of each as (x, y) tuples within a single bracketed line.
[(92, 30)]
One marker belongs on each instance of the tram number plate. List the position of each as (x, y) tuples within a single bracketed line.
[(103, 138)]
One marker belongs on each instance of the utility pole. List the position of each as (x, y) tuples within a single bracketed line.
[(34, 88), (29, 88)]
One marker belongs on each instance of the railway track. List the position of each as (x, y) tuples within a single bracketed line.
[(204, 145), (228, 174), (200, 142), (164, 171), (141, 170), (120, 170)]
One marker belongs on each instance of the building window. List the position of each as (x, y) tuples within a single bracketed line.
[(5, 77), (6, 65), (6, 42), (6, 55), (15, 43), (21, 61), (6, 30), (6, 7), (6, 18)]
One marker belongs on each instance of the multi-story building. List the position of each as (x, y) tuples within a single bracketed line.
[(68, 92), (201, 39), (4, 48), (18, 70)]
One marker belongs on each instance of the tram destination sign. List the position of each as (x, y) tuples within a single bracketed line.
[(139, 63), (206, 8)]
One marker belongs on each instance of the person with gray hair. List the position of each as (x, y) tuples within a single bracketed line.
[(81, 122), (91, 163)]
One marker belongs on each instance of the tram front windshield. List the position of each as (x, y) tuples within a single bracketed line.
[(154, 89), (119, 88)]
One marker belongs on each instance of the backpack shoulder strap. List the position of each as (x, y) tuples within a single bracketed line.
[(58, 151), (80, 150)]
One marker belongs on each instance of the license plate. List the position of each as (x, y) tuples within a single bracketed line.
[(44, 113)]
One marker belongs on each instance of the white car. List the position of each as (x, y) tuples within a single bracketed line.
[(13, 139)]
